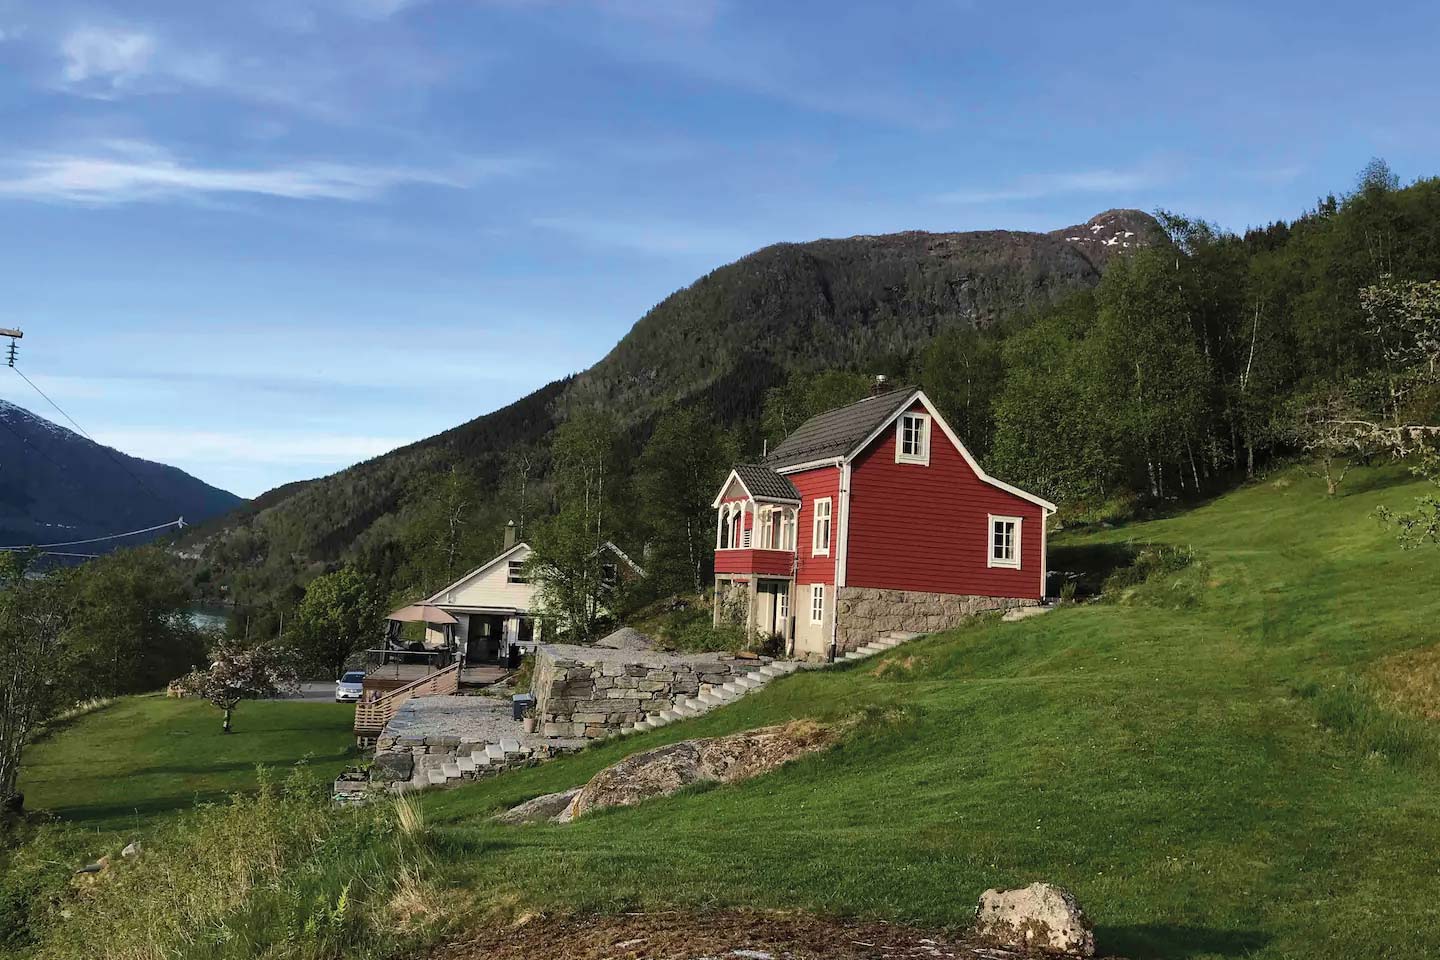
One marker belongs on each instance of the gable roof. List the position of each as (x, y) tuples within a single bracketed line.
[(764, 482), (439, 594), (760, 483), (834, 433)]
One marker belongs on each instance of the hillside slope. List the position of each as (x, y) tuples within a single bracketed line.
[(724, 341), (1207, 761), (56, 485)]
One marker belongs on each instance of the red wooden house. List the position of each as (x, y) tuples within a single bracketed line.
[(868, 519)]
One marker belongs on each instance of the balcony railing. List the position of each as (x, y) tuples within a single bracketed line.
[(777, 563)]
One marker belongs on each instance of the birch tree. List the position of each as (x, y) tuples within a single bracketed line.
[(33, 618)]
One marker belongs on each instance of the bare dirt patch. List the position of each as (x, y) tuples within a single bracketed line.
[(728, 935), (1413, 680)]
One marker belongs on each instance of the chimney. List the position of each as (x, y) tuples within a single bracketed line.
[(879, 384), (509, 534)]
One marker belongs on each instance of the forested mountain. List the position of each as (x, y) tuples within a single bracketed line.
[(721, 343), (56, 485), (1108, 365)]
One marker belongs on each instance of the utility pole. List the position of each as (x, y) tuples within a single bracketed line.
[(13, 335)]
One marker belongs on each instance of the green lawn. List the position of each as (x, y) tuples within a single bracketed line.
[(1205, 761), (1153, 755), (142, 757)]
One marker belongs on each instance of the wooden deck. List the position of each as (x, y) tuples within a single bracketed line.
[(393, 675)]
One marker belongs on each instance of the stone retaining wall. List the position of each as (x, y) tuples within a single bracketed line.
[(592, 691), (865, 613)]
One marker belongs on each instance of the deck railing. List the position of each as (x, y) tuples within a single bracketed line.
[(372, 715)]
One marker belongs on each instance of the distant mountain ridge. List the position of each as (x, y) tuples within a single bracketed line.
[(57, 485), (723, 341)]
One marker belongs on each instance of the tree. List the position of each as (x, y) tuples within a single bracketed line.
[(806, 394), (962, 372), (33, 617), (1326, 424), (131, 623), (443, 536), (342, 612), (241, 671), (677, 475), (567, 562)]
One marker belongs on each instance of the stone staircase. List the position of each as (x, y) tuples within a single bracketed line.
[(438, 770), (718, 695)]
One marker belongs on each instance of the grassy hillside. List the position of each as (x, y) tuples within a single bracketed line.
[(146, 757), (1205, 759)]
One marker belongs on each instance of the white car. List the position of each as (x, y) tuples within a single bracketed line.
[(349, 687)]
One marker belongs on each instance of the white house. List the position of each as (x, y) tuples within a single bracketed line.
[(494, 605)]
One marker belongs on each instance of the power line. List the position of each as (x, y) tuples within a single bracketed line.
[(108, 452), (113, 536)]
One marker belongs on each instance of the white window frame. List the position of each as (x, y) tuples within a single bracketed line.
[(515, 572), (817, 603), (1013, 562), (782, 606), (923, 457), (817, 549), (787, 529)]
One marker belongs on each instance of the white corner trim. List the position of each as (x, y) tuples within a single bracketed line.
[(840, 525), (818, 551), (950, 435), (990, 560)]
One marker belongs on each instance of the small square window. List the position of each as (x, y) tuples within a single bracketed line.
[(912, 438), (516, 572), (817, 603), (1004, 542)]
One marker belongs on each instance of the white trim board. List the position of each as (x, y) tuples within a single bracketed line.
[(950, 435)]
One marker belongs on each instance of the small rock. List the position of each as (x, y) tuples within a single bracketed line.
[(1039, 917), (132, 849), (99, 866), (540, 808)]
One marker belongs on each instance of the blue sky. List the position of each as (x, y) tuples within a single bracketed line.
[(266, 239)]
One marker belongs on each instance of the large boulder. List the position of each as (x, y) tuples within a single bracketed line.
[(664, 770), (627, 638), (545, 807), (1038, 918)]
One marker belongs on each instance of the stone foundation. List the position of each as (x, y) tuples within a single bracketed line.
[(593, 691), (864, 613)]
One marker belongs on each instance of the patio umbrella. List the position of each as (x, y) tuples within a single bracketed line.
[(421, 613)]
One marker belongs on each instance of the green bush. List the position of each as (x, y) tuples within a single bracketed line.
[(1151, 561)]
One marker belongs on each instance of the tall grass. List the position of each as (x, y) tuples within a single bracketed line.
[(1355, 710), (278, 873)]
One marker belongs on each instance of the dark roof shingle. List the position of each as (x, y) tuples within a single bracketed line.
[(835, 433), (765, 482)]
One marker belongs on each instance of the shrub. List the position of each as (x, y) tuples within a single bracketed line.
[(1151, 560)]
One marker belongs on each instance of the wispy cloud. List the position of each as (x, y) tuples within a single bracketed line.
[(127, 172), (202, 446), (105, 59), (1040, 185), (653, 238)]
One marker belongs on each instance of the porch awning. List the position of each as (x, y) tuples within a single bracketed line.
[(421, 613)]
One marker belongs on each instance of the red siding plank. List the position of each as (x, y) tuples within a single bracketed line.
[(815, 485), (926, 528)]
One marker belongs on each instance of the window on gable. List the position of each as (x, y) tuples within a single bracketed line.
[(912, 438), (515, 573), (820, 539), (817, 603), (1004, 541)]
